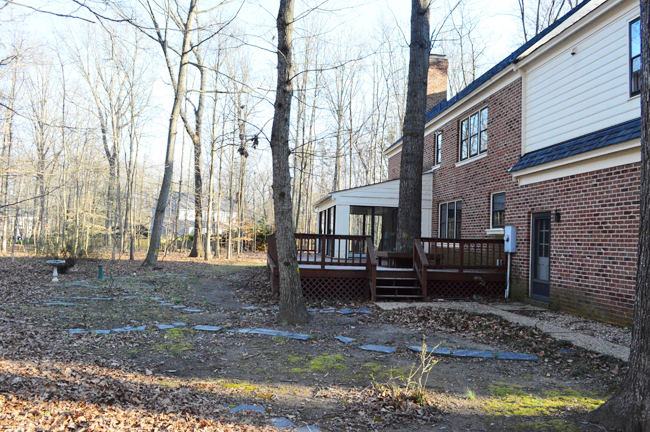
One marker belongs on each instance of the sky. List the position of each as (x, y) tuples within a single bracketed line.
[(497, 25)]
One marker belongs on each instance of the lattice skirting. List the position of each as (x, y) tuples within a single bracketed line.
[(462, 289), (328, 288), (336, 288)]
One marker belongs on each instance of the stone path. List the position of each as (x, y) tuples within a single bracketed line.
[(582, 340)]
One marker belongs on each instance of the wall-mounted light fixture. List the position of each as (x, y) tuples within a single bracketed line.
[(556, 216)]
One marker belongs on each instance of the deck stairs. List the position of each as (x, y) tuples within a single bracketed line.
[(396, 284)]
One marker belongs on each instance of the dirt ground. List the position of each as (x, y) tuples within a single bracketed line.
[(184, 379)]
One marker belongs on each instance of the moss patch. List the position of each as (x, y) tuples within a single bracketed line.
[(512, 400), (327, 362)]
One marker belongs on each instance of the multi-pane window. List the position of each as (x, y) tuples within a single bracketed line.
[(498, 210), (451, 215), (473, 134), (635, 57), (437, 157)]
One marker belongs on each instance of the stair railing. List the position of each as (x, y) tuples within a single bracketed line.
[(371, 266), (421, 264)]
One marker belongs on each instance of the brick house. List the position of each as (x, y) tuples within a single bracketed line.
[(547, 141)]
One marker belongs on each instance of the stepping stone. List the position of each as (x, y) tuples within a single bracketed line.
[(276, 308), (281, 423), (566, 352), (473, 353), (307, 429), (102, 298), (289, 335), (128, 297), (207, 328), (345, 311), (245, 330), (140, 328), (364, 310), (179, 307), (156, 298), (249, 408), (515, 356), (80, 298), (120, 330), (179, 324), (101, 331), (164, 326), (61, 304), (166, 304), (312, 310), (378, 348), (327, 311), (251, 307), (77, 331), (438, 351), (129, 329), (345, 340), (192, 310)]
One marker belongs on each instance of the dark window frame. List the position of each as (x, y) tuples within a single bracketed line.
[(501, 212), (444, 225), (466, 133), (634, 89), (437, 154)]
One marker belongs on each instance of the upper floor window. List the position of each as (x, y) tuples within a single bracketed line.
[(473, 134), (498, 210), (635, 57), (437, 156), (451, 214)]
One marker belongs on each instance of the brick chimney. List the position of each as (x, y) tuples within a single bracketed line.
[(437, 80)]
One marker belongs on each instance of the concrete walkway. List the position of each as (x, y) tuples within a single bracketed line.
[(581, 340)]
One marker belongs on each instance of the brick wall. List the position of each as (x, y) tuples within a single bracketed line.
[(475, 181), (394, 166), (593, 247)]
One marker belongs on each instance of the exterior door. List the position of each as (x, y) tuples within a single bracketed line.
[(541, 257)]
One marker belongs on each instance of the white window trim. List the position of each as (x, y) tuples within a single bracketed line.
[(491, 207), (460, 136), (629, 51), (472, 159), (440, 204), (436, 162)]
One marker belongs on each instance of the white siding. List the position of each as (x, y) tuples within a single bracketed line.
[(384, 194), (567, 96)]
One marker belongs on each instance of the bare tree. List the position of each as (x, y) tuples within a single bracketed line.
[(409, 213), (292, 304), (536, 15), (629, 409)]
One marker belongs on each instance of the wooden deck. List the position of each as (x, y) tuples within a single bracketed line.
[(348, 267)]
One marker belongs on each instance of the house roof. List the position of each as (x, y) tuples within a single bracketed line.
[(619, 133), (512, 58)]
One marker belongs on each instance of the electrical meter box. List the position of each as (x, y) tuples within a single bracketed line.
[(510, 239)]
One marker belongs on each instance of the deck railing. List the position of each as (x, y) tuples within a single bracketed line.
[(339, 250), (334, 250), (464, 254)]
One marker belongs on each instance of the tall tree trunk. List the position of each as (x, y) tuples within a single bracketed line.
[(197, 247), (292, 304), (629, 407), (409, 213), (161, 205)]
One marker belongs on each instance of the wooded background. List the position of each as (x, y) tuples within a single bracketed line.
[(85, 102)]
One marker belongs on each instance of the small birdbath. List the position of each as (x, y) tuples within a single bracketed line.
[(55, 264)]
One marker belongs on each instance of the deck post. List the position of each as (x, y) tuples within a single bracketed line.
[(462, 256), (322, 252)]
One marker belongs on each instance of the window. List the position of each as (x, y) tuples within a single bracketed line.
[(498, 209), (437, 157), (473, 134), (450, 219), (635, 57)]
